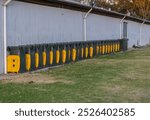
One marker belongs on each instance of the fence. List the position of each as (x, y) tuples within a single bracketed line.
[(33, 57)]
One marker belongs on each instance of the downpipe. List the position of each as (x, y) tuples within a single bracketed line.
[(121, 26), (5, 34)]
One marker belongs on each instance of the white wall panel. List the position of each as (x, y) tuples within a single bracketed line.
[(145, 35), (133, 33), (36, 24), (102, 27)]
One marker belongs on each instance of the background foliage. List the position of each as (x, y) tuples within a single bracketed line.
[(137, 8)]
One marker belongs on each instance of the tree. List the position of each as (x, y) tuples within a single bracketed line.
[(103, 4), (122, 6), (137, 8), (142, 7)]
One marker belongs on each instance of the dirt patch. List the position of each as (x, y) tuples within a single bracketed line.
[(29, 78), (138, 94), (114, 88)]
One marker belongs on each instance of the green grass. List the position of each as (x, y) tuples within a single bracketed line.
[(123, 77)]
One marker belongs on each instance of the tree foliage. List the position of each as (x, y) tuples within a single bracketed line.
[(142, 8), (137, 8)]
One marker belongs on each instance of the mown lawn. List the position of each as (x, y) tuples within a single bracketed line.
[(122, 77)]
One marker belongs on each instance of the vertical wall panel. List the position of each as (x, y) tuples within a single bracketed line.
[(145, 35), (133, 33), (102, 27), (36, 24)]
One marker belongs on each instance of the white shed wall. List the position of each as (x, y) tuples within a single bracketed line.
[(102, 27), (133, 33), (36, 24), (146, 35)]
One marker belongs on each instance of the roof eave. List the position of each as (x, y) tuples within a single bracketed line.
[(83, 8)]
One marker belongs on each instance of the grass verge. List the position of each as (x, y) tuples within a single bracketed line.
[(123, 77)]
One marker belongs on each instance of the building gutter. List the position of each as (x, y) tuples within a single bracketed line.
[(5, 34), (121, 21), (141, 32)]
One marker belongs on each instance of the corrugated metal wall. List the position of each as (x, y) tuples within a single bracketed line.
[(1, 37), (35, 24), (102, 27), (146, 35), (133, 33)]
